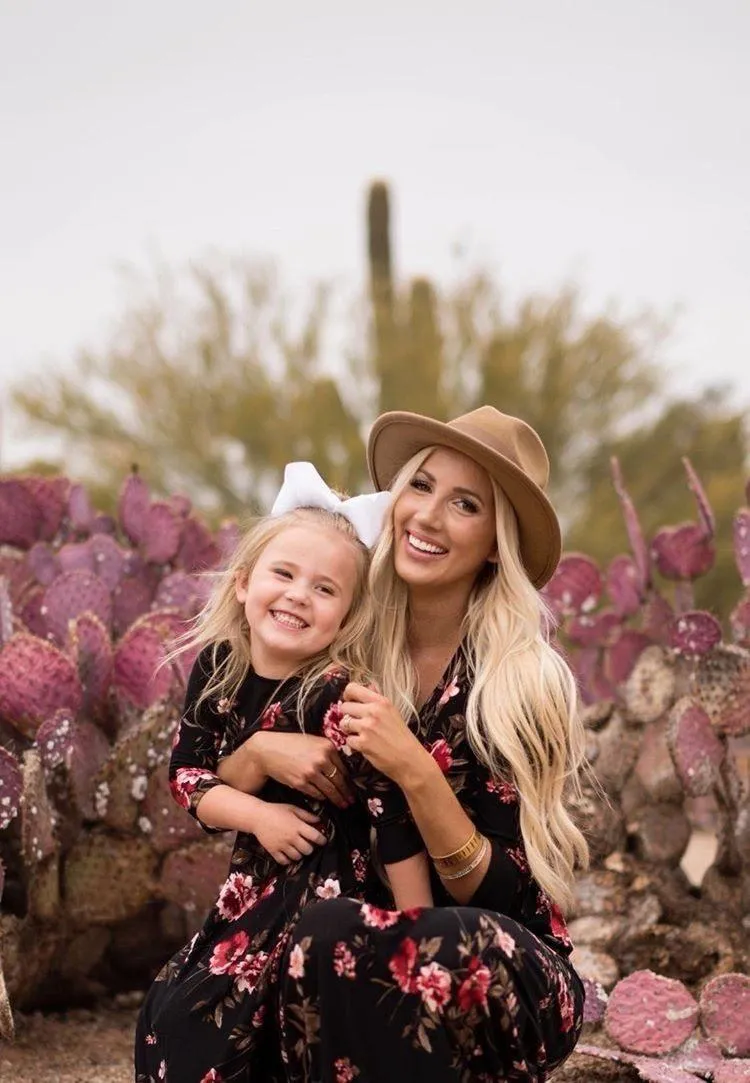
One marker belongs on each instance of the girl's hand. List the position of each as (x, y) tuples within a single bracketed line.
[(287, 832), (376, 729), (306, 763)]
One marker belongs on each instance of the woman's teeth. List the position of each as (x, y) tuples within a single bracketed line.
[(425, 547)]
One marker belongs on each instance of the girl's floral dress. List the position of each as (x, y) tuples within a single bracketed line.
[(466, 994), (210, 1015)]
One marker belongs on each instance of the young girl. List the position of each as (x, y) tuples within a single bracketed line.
[(282, 635)]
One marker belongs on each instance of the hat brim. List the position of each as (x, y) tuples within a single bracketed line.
[(397, 436)]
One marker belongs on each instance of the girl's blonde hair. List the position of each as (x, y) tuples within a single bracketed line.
[(522, 714), (222, 624)]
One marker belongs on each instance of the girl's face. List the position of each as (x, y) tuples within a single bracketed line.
[(444, 524), (297, 596)]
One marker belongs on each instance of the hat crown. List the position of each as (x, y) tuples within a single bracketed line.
[(509, 437)]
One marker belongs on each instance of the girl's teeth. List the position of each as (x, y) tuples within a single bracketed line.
[(292, 622), (423, 546)]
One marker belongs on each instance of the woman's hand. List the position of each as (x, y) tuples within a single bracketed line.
[(302, 761), (375, 728)]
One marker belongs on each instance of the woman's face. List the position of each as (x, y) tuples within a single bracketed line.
[(444, 523)]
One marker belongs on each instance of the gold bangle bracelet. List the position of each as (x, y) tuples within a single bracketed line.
[(461, 854), (468, 868)]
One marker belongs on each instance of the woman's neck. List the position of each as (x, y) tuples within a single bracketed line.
[(435, 623)]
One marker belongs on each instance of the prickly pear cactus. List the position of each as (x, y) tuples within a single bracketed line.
[(88, 710)]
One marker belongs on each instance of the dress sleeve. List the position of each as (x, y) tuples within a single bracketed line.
[(195, 753), (387, 808), (493, 805)]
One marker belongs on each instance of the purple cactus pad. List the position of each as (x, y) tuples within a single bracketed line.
[(72, 594), (721, 681), (575, 587), (595, 1003), (621, 656), (31, 612), (43, 563), (633, 528), (227, 539), (198, 550), (697, 753), (593, 630), (732, 1071), (180, 504), (21, 520), (80, 512), (162, 529), (75, 752), (725, 1013), (11, 785), (694, 633), (705, 511), (6, 612), (104, 524), (741, 533), (657, 618), (132, 598), (107, 558), (36, 679), (623, 585), (51, 497), (682, 552), (133, 506), (739, 620), (140, 677), (76, 557), (648, 1013), (180, 592), (89, 644)]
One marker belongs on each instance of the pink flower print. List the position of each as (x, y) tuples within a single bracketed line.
[(360, 865), (270, 716), (473, 989), (434, 983), (259, 1016), (229, 953), (237, 896), (506, 791), (345, 1070), (376, 918), (412, 912), (505, 942), (565, 1003), (375, 805), (330, 889), (163, 1070), (557, 921), (441, 753), (185, 783), (269, 887), (296, 962), (150, 1039), (518, 857), (402, 965), (249, 970), (451, 689), (225, 705), (335, 673), (332, 728), (212, 1076), (344, 963)]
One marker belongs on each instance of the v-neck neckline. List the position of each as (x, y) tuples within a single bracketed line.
[(448, 673)]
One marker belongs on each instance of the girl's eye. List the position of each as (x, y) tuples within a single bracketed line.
[(326, 590), (283, 573), (420, 484)]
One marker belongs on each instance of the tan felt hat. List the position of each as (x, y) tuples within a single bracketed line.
[(508, 449)]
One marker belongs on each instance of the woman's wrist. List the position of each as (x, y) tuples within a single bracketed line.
[(419, 775)]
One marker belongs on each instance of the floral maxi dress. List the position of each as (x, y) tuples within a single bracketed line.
[(210, 1015), (449, 994)]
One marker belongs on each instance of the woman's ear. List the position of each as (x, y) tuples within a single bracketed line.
[(494, 557), (240, 586)]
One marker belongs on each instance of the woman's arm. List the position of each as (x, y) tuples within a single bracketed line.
[(410, 882), (377, 731)]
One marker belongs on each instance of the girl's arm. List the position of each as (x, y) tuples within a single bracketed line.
[(285, 831)]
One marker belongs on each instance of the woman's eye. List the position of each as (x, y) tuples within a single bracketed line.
[(419, 483), (468, 505)]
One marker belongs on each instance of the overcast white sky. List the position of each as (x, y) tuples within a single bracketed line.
[(596, 139)]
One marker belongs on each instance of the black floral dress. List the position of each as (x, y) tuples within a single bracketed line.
[(451, 993), (210, 1015)]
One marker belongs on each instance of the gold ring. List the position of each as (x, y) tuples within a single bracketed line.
[(333, 773)]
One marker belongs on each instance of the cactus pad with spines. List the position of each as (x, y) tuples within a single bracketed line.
[(725, 1013), (648, 1013)]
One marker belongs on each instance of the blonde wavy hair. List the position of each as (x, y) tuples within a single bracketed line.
[(522, 716), (222, 623)]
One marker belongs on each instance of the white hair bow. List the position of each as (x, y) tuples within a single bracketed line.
[(303, 487)]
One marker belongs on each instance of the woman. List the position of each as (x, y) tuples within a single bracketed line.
[(475, 720)]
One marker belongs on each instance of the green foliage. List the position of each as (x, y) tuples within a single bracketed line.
[(213, 381)]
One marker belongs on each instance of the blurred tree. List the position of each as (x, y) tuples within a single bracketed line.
[(213, 382)]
